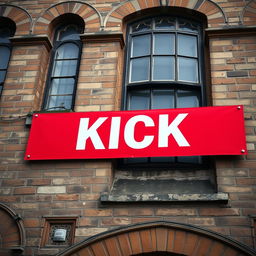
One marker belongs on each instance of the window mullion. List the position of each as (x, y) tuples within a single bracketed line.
[(152, 56), (176, 56)]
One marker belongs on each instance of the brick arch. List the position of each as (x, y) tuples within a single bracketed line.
[(12, 232), (89, 14), (21, 18), (159, 238), (214, 13), (249, 14)]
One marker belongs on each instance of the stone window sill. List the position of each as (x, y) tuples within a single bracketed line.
[(147, 197)]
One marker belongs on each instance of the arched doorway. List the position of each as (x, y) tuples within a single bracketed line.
[(12, 232), (159, 239)]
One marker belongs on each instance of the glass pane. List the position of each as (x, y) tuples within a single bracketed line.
[(69, 33), (163, 68), (60, 102), (142, 26), (187, 45), (139, 100), (2, 76), (67, 51), (165, 23), (64, 68), (4, 57), (164, 44), (140, 69), (163, 99), (187, 99), (187, 26), (188, 70), (189, 159), (141, 45), (62, 86)]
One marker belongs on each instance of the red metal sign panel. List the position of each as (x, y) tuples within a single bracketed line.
[(143, 133)]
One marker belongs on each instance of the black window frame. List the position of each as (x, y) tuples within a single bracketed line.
[(175, 85), (10, 27), (57, 44), (9, 46)]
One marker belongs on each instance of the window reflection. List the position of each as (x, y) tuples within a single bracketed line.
[(139, 100), (141, 26), (64, 69), (188, 26), (141, 45), (7, 30), (67, 51), (4, 56), (163, 68), (162, 99), (165, 23), (187, 45), (140, 69), (164, 43), (187, 99), (187, 70)]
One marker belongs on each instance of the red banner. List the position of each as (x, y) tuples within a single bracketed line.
[(143, 133)]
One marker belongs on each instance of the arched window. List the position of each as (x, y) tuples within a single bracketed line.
[(63, 72), (7, 30), (164, 70)]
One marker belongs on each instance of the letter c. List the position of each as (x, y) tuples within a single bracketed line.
[(130, 130)]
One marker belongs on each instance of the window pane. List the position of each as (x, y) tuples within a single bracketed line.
[(142, 26), (2, 76), (187, 99), (141, 45), (70, 33), (60, 102), (164, 44), (188, 70), (163, 68), (4, 57), (187, 26), (139, 100), (140, 69), (62, 86), (165, 23), (187, 45), (67, 51), (162, 99), (64, 68)]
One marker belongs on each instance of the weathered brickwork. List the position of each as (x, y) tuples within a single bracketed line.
[(35, 189)]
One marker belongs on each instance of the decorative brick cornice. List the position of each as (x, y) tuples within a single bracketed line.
[(237, 31), (32, 40), (103, 37)]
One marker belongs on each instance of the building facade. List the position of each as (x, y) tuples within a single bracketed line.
[(63, 57)]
